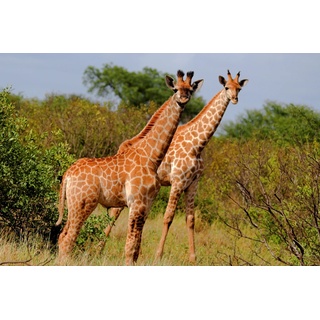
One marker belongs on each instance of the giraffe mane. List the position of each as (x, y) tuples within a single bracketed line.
[(130, 142)]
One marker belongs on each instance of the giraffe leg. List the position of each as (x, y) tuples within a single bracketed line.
[(114, 213), (67, 240), (190, 193), (168, 218), (70, 232), (64, 232), (137, 217)]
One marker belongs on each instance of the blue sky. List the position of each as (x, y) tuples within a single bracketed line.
[(272, 46), (280, 77)]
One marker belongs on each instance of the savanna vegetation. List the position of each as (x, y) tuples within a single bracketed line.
[(257, 203)]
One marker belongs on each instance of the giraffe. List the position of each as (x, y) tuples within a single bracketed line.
[(182, 165), (125, 179)]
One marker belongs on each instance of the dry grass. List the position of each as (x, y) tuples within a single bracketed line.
[(215, 246)]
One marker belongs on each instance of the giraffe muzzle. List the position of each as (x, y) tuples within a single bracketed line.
[(234, 100), (184, 99)]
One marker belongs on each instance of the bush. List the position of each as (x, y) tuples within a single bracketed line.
[(285, 124), (90, 129), (274, 191), (93, 230), (29, 174)]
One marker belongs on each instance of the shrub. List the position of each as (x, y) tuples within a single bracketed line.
[(29, 174), (274, 191), (90, 129), (93, 230), (285, 124)]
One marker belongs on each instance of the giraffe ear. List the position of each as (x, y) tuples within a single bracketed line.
[(170, 82), (243, 82), (196, 86), (222, 80)]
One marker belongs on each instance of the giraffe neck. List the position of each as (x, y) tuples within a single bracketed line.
[(201, 128), (141, 135), (158, 138)]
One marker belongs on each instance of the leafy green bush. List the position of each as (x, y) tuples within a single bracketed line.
[(284, 124), (29, 174), (93, 230)]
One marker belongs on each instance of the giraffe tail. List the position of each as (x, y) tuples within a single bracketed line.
[(56, 229), (62, 198)]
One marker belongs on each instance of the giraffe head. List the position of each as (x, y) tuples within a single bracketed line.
[(233, 86), (183, 89)]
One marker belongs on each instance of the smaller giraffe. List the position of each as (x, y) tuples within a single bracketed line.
[(127, 179), (182, 166)]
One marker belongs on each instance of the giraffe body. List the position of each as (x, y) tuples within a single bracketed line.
[(128, 178), (183, 165)]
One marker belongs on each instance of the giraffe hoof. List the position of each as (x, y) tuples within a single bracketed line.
[(192, 258)]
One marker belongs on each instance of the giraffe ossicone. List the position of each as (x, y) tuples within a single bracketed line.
[(128, 178)]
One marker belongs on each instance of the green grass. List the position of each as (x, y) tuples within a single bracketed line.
[(215, 246)]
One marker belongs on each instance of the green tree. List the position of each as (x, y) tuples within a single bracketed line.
[(134, 88), (292, 124), (29, 175)]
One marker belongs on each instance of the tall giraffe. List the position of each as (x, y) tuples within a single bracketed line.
[(125, 179), (183, 164)]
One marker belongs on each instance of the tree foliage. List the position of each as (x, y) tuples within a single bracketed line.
[(134, 88), (90, 129), (289, 124), (29, 174)]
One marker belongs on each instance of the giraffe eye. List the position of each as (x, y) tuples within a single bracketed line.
[(175, 90), (226, 88)]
